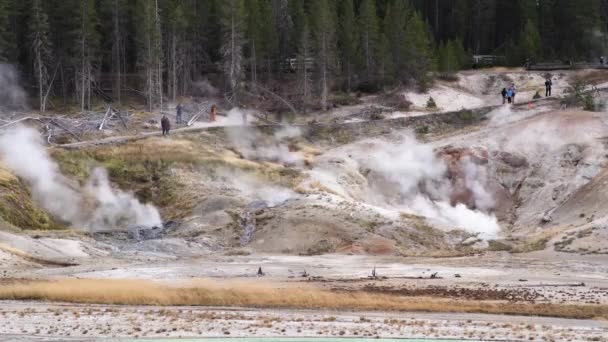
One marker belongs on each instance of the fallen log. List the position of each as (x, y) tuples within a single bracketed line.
[(54, 122), (103, 121)]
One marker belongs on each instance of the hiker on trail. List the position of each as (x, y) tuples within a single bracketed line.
[(602, 60), (165, 124), (213, 113), (178, 113), (548, 85), (504, 95), (513, 92), (510, 95)]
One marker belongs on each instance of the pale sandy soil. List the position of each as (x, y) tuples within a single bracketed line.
[(541, 277), (23, 320)]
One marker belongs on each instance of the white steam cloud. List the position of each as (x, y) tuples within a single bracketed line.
[(407, 176), (204, 88), (476, 179), (257, 190), (12, 96), (254, 145), (95, 206)]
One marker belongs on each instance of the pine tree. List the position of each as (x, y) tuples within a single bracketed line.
[(298, 19), (398, 13), (463, 56), (281, 26), (304, 55), (262, 36), (547, 28), (444, 57), (323, 25), (452, 56), (38, 28), (419, 48), (254, 37), (369, 35), (5, 40), (87, 44), (177, 23), (530, 43), (150, 50), (233, 26), (528, 11), (386, 67), (64, 28), (347, 40)]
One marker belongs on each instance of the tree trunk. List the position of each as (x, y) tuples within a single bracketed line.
[(40, 81), (233, 76), (82, 58), (254, 76), (159, 61), (173, 66), (324, 73), (149, 85), (367, 56), (116, 62)]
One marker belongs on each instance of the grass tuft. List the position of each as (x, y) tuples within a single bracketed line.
[(256, 295)]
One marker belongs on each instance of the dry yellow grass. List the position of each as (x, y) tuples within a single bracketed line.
[(138, 292)]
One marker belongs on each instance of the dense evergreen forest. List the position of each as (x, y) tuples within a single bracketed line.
[(82, 51)]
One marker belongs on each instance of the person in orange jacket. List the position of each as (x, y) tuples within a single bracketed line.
[(213, 113)]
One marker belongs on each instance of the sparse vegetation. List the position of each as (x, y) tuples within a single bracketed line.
[(498, 246), (131, 292), (430, 104), (466, 115), (18, 208), (147, 168), (395, 100), (580, 95), (535, 244), (424, 129)]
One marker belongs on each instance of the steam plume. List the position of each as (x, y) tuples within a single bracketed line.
[(254, 145), (12, 96), (407, 176), (95, 206)]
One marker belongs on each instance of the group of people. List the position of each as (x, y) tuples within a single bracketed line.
[(165, 123), (508, 95)]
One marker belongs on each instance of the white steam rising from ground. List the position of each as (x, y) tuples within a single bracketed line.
[(254, 145), (257, 190), (407, 176), (12, 96), (94, 206)]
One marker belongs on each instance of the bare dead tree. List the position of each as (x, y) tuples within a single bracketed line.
[(232, 46), (116, 51), (41, 51), (158, 48)]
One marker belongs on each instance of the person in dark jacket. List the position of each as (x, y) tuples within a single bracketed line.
[(178, 113), (504, 95), (165, 124), (548, 85)]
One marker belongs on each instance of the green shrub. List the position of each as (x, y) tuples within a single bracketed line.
[(422, 130), (465, 115), (588, 102), (430, 104)]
